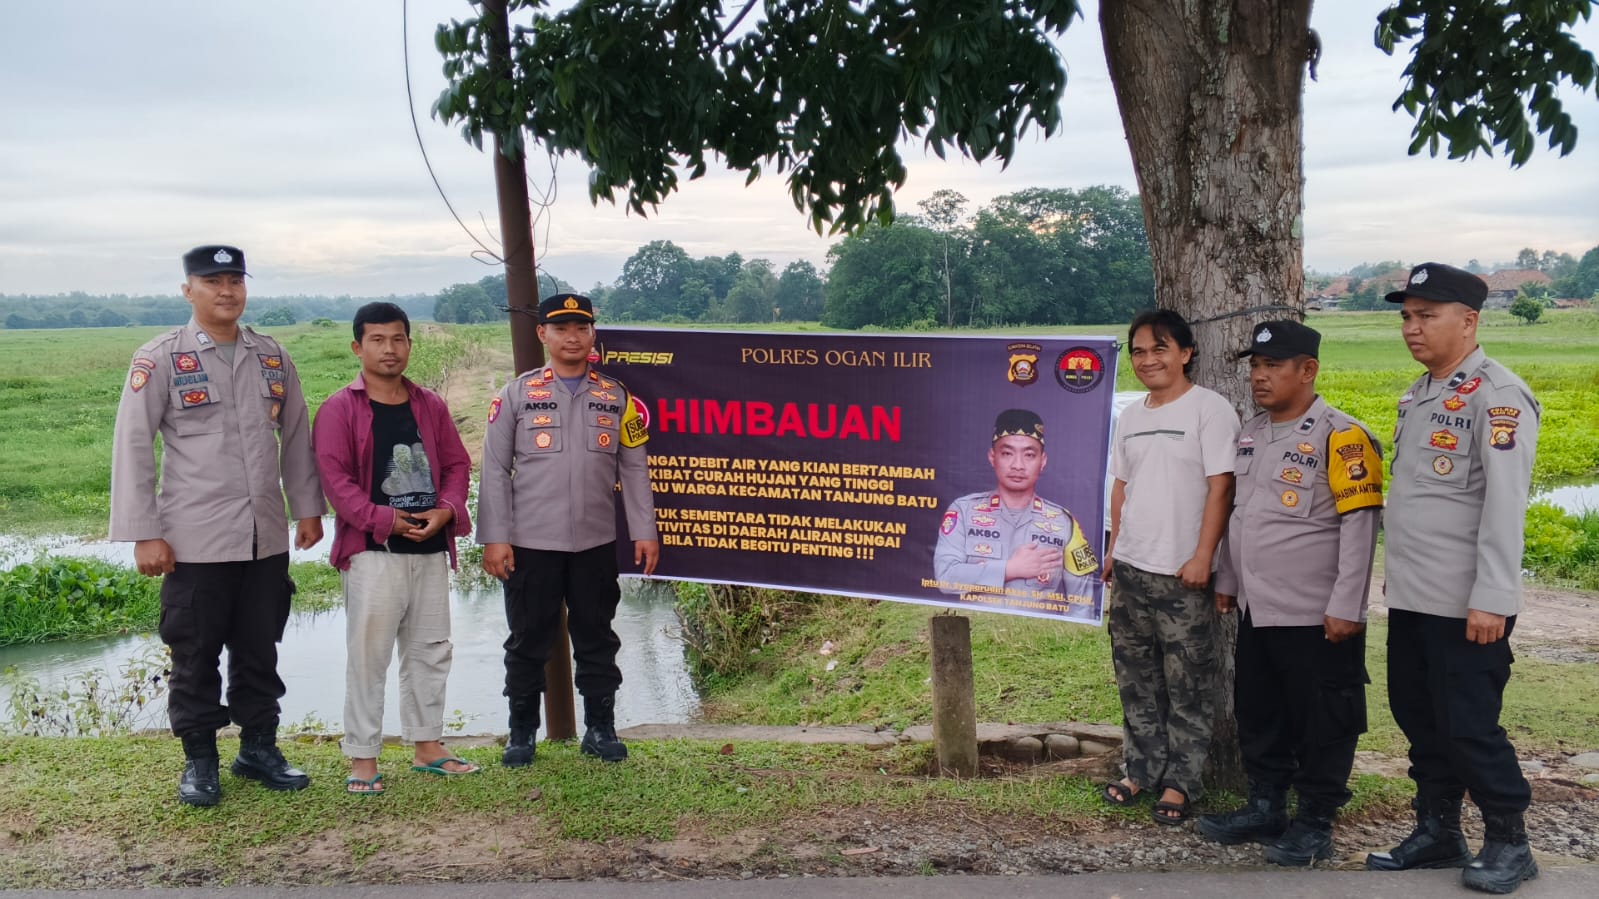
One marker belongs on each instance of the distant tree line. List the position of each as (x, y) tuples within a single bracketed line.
[(83, 310), (1570, 277), (483, 300), (1034, 257)]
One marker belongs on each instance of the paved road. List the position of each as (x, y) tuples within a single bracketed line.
[(1579, 882)]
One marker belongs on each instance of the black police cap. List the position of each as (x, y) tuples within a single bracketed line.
[(213, 259), (1018, 422), (1283, 340), (565, 307), (1442, 284)]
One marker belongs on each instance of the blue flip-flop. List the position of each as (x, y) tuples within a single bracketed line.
[(374, 787), (437, 767)]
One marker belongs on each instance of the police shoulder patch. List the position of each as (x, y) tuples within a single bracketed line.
[(635, 424), (1080, 559), (1354, 470)]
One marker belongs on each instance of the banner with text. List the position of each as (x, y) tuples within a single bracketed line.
[(890, 467)]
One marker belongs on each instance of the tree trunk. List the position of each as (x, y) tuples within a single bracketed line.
[(1209, 92)]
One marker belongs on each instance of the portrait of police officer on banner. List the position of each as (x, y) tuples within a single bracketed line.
[(1008, 543)]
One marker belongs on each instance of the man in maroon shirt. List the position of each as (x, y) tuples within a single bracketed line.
[(396, 474)]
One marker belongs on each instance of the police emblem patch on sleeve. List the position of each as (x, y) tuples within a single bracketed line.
[(137, 379), (952, 519), (1079, 557), (635, 423), (1502, 424), (1355, 472), (494, 410)]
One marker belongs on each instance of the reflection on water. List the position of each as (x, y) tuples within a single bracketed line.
[(1574, 498), (656, 686)]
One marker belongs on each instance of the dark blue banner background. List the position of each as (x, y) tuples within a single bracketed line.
[(827, 462)]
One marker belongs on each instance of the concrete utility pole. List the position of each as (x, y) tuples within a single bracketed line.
[(522, 295), (954, 696)]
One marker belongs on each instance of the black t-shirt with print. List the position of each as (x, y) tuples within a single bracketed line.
[(401, 474)]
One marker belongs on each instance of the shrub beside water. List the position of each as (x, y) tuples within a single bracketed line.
[(74, 599), (96, 703), (725, 626), (1561, 547)]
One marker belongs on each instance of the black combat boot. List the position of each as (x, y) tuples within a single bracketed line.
[(600, 740), (259, 760), (519, 747), (1309, 837), (1262, 818), (1435, 843), (200, 783), (1505, 860)]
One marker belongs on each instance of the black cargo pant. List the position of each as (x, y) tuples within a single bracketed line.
[(542, 582), (239, 606), (1300, 701), (1446, 693)]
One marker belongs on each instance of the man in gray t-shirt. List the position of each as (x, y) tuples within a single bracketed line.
[(1172, 464)]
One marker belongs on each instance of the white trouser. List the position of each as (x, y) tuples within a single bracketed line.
[(394, 598)]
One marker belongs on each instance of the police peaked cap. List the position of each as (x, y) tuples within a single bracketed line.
[(1442, 284), (213, 259), (1283, 340), (565, 306), (1018, 423)]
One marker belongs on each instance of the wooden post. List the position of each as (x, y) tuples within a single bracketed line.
[(954, 699), (522, 293)]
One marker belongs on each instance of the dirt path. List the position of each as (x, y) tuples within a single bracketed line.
[(1554, 625), (469, 387)]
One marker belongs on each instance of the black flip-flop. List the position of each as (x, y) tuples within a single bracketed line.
[(1119, 794)]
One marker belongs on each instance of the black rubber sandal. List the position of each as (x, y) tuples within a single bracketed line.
[(1119, 794), (1171, 814)]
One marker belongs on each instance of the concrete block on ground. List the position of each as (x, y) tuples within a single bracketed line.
[(1061, 746), (1022, 749)]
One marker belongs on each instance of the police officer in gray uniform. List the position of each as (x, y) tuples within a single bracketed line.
[(1010, 542), (236, 440), (1296, 561), (559, 441), (1462, 469)]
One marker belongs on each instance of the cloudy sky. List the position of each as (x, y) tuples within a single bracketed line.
[(133, 131)]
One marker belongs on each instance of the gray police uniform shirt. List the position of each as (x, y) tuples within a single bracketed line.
[(236, 440), (1303, 530), (978, 534), (552, 462), (1462, 470)]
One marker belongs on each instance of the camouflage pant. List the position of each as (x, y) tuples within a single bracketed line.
[(1163, 645)]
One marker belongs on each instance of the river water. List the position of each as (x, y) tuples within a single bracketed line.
[(656, 685)]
